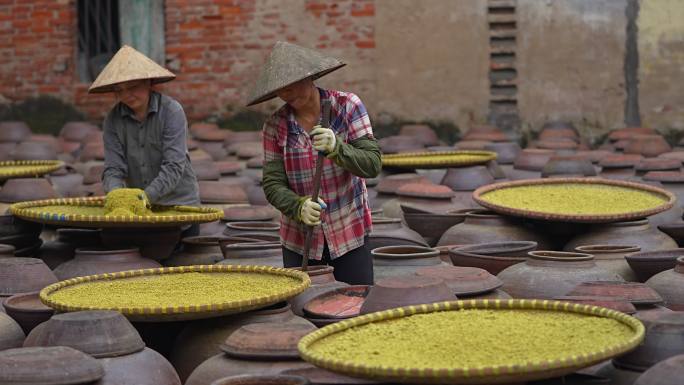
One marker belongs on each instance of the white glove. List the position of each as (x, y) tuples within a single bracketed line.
[(310, 213), (323, 139)]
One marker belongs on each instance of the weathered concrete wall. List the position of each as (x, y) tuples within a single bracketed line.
[(570, 62), (432, 60), (661, 63)]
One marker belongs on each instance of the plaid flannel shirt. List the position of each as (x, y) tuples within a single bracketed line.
[(347, 218)]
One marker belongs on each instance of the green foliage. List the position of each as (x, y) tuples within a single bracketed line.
[(44, 114)]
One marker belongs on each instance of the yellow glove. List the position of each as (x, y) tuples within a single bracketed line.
[(310, 213), (323, 139), (143, 197)]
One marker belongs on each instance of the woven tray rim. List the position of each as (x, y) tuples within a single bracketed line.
[(41, 167), (603, 218), (26, 210), (198, 311), (473, 375), (412, 160)]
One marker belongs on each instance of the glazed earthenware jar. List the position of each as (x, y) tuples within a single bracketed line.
[(647, 145), (529, 163), (26, 189), (485, 132), (492, 257), (252, 253), (483, 226), (399, 143), (14, 131), (322, 281), (200, 340), (506, 152), (27, 310), (421, 132), (550, 274), (636, 233), (198, 250), (463, 281), (57, 365), (23, 275), (429, 198), (666, 372), (154, 243), (612, 258), (320, 376), (566, 166), (670, 284), (241, 228), (395, 261), (664, 339), (277, 379), (91, 261), (34, 151), (646, 264), (11, 334), (400, 291), (263, 348), (629, 132), (430, 226), (63, 249), (221, 194), (467, 178), (391, 232)]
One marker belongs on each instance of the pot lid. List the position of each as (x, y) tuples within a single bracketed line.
[(426, 190), (464, 281), (59, 365), (635, 292), (266, 341), (24, 275)]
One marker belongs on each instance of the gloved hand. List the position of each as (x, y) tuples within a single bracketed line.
[(143, 197), (310, 213), (323, 139)]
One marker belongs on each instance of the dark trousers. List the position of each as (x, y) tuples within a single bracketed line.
[(354, 268)]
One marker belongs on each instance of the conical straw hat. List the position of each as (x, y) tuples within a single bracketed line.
[(289, 63), (129, 64)]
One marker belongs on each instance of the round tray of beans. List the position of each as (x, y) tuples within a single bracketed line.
[(578, 200), (436, 159), (27, 168), (177, 293), (473, 341), (92, 212)]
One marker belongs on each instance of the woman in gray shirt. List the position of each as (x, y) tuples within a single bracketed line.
[(145, 133)]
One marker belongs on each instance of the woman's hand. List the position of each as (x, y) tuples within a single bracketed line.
[(323, 139), (310, 213)]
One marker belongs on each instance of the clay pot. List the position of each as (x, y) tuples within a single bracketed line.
[(77, 131), (250, 213), (27, 310), (476, 145), (530, 163), (629, 132), (395, 261), (637, 294), (319, 376), (91, 261), (227, 167), (136, 368), (506, 152), (99, 333), (6, 251), (467, 178), (619, 304), (637, 233), (24, 275), (492, 257), (420, 132), (239, 228), (242, 136), (56, 252), (393, 292), (485, 132), (214, 148), (322, 281), (219, 194), (565, 166), (66, 181), (11, 225), (11, 334), (399, 143), (431, 226), (206, 170), (615, 375), (550, 274), (657, 164), (664, 339), (250, 150), (667, 372), (481, 226), (252, 253), (672, 181), (336, 305), (392, 183), (55, 365), (263, 348), (92, 151), (280, 379), (423, 197), (612, 258), (647, 145), (26, 189), (199, 250), (34, 151), (391, 232), (646, 264), (200, 340), (155, 243), (463, 281), (670, 284), (14, 131)]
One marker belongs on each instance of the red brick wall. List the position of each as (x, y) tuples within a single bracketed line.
[(214, 46)]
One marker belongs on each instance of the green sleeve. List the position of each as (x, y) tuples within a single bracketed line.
[(278, 192), (361, 157)]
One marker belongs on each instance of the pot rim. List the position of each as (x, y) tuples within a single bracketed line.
[(607, 249), (560, 256)]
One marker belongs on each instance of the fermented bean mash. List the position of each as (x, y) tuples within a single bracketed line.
[(575, 199), (473, 338)]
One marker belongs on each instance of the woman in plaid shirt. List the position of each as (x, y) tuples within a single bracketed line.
[(292, 138)]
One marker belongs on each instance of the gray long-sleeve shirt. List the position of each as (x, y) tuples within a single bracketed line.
[(152, 154)]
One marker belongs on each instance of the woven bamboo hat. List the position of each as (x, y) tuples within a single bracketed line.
[(129, 64), (289, 63)]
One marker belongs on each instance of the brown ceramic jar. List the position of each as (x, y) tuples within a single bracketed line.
[(396, 261), (637, 233), (670, 285), (99, 261)]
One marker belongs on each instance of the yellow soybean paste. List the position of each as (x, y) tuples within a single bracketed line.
[(169, 290), (473, 338), (575, 199), (131, 201)]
